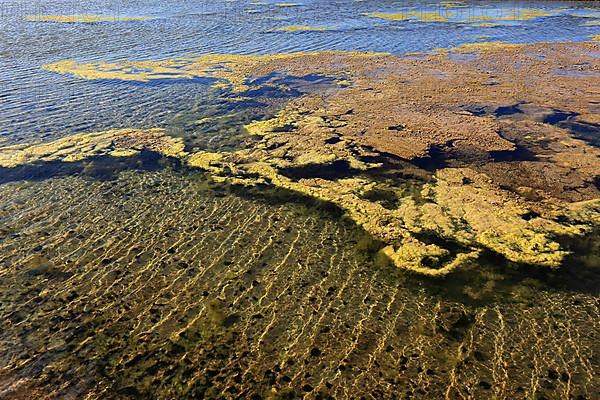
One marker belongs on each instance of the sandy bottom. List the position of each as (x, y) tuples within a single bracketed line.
[(161, 284)]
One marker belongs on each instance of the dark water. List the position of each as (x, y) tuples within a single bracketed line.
[(138, 278)]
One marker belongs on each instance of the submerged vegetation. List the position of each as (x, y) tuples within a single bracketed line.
[(461, 211)]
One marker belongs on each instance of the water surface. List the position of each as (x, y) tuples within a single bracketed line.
[(140, 278)]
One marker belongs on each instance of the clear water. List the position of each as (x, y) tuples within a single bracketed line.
[(40, 104), (141, 279)]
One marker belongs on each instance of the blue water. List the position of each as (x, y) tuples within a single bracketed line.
[(40, 104)]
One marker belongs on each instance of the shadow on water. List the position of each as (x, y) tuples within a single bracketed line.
[(304, 83), (103, 168), (583, 130), (490, 279), (336, 170), (586, 131)]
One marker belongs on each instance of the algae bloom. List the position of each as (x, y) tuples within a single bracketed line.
[(300, 28), (115, 142), (217, 205), (83, 19)]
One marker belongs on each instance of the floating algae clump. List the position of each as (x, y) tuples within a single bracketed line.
[(525, 14), (457, 17), (420, 16), (300, 28), (88, 19), (115, 142), (488, 47), (389, 16), (466, 208), (231, 68)]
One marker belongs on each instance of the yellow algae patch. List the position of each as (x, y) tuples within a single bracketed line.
[(300, 28), (453, 4), (491, 218), (280, 122), (525, 14), (124, 152), (433, 16), (487, 25), (484, 46), (477, 215), (142, 71), (595, 38), (230, 68), (286, 5), (411, 255), (389, 16), (457, 17), (593, 23), (420, 16), (115, 142), (205, 160), (82, 18)]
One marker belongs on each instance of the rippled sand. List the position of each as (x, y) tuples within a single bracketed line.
[(166, 285)]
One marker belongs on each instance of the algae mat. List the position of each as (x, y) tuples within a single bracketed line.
[(460, 212)]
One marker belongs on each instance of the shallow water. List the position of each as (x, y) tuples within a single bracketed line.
[(38, 103), (139, 278)]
